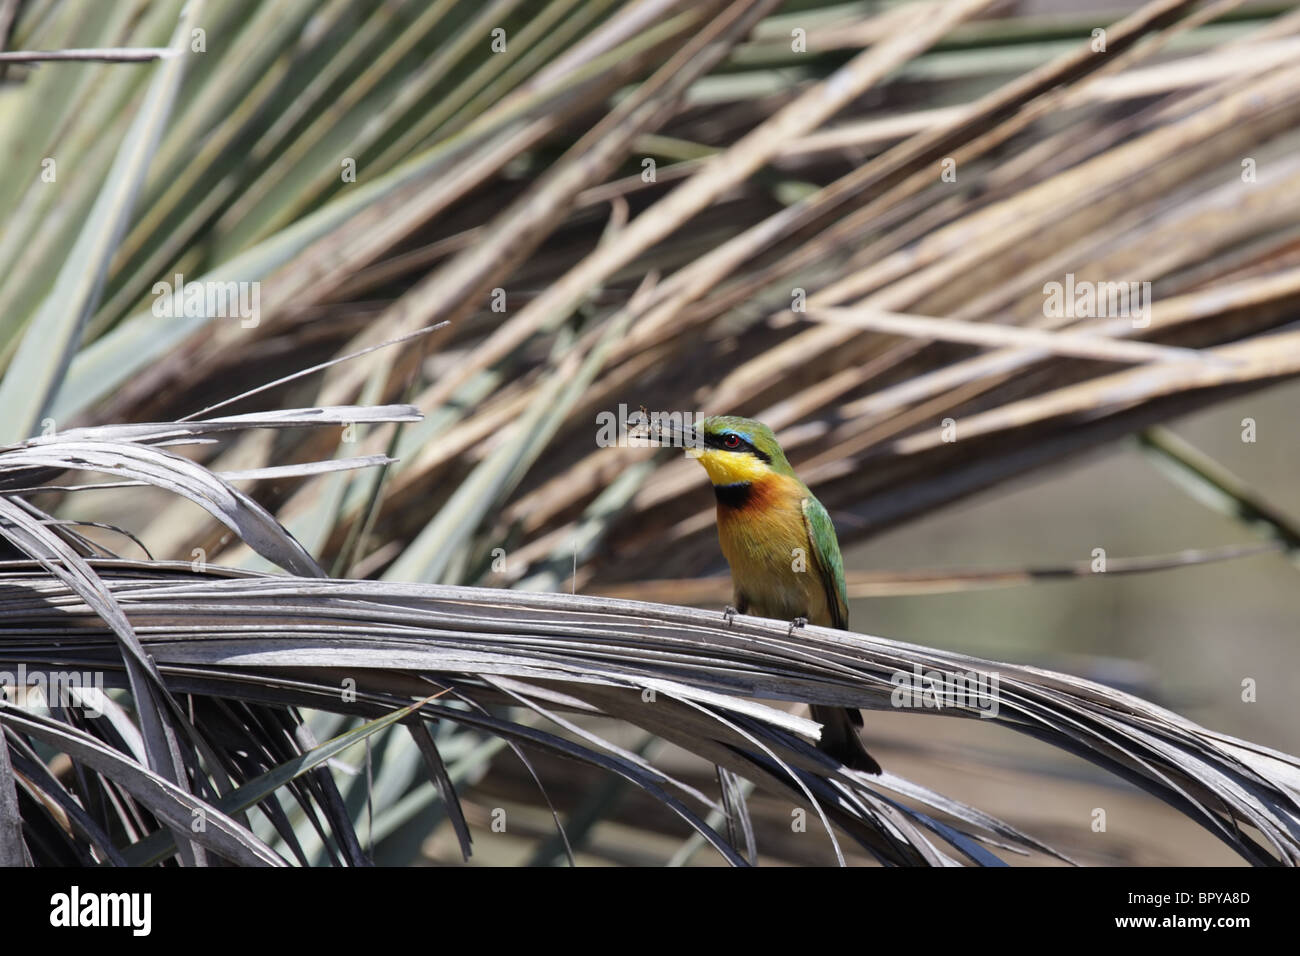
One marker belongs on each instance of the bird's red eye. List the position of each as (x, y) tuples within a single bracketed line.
[(731, 441)]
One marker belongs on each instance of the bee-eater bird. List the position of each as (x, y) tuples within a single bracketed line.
[(780, 543)]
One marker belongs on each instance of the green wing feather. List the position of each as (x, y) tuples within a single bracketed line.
[(826, 550)]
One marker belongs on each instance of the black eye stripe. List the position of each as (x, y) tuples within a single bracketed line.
[(719, 440)]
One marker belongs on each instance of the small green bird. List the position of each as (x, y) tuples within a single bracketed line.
[(780, 543)]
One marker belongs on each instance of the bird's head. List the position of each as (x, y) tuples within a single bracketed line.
[(737, 450)]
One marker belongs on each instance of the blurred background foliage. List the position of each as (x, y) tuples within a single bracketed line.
[(639, 188)]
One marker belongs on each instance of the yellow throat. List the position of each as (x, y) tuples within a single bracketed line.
[(730, 468)]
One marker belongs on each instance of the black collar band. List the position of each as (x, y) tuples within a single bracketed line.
[(735, 495)]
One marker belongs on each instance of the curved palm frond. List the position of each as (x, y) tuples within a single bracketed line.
[(259, 646)]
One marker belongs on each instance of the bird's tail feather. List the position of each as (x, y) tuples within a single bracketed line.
[(840, 737)]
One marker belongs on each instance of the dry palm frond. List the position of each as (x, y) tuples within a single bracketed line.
[(851, 430), (247, 649), (890, 235), (685, 675)]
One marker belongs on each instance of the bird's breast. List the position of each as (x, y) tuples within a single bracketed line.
[(765, 541)]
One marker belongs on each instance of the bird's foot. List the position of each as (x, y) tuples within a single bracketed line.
[(729, 614), (797, 622)]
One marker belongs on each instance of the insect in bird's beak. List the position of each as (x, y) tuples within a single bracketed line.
[(679, 436)]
